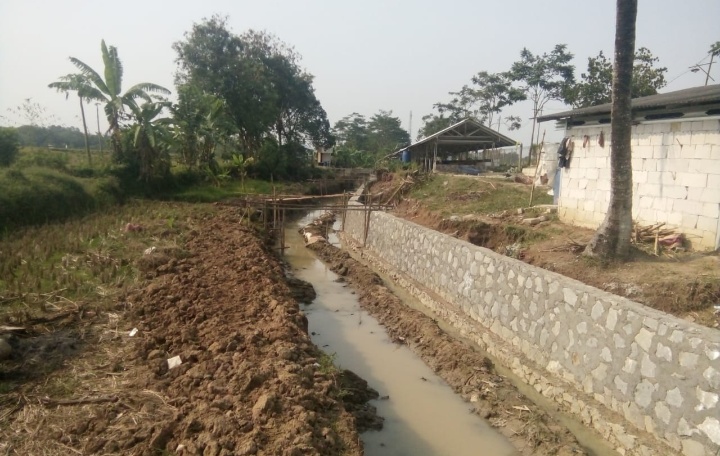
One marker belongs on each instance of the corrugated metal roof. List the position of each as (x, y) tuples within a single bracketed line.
[(696, 96), (468, 134)]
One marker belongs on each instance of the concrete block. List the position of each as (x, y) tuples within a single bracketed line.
[(682, 138), (715, 151), (647, 215), (687, 151), (660, 204), (697, 125), (644, 149), (688, 207), (661, 216), (649, 189), (676, 165), (603, 185), (711, 166), (694, 193), (689, 179), (640, 177), (711, 125), (605, 173), (698, 138), (644, 202), (703, 151), (674, 218), (713, 181), (665, 178), (656, 139), (710, 195), (679, 192), (650, 165), (674, 150), (653, 177), (689, 221), (592, 173), (660, 152), (685, 126), (667, 139), (707, 223), (711, 210), (602, 162)]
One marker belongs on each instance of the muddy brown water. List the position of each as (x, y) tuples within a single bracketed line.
[(422, 414)]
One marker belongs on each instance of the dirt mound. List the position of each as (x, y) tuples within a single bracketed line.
[(249, 381), (468, 371)]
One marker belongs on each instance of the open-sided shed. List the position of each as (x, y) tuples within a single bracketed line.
[(454, 144)]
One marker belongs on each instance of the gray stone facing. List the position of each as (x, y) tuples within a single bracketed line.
[(660, 372)]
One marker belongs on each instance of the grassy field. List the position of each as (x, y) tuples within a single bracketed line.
[(448, 195)]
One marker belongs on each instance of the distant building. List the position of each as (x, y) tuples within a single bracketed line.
[(324, 156)]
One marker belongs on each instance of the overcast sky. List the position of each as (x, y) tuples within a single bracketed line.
[(366, 55)]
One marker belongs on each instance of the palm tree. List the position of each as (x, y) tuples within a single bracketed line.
[(108, 90), (612, 239), (76, 83)]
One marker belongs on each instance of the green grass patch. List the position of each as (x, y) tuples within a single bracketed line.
[(35, 195), (450, 195), (207, 193)]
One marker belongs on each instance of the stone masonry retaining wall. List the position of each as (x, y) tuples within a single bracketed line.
[(632, 373)]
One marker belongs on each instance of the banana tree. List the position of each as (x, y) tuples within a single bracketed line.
[(151, 138), (108, 90)]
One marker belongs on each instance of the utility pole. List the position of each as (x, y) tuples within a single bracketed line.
[(97, 112)]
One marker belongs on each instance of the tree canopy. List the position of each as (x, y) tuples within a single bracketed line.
[(362, 142), (259, 79), (595, 86)]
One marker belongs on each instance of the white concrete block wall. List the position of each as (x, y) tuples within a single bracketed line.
[(676, 178)]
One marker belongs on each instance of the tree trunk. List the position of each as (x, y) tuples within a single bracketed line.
[(612, 239), (87, 146)]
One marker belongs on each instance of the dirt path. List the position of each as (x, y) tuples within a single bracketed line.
[(250, 382), (468, 371)]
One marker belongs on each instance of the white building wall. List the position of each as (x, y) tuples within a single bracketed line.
[(676, 178)]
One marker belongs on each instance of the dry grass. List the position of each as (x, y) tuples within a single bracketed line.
[(64, 285)]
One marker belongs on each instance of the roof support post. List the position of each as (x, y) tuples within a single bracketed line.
[(434, 155)]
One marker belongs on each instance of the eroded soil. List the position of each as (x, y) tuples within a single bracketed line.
[(250, 380)]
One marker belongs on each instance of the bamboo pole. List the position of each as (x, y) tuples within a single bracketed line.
[(539, 153)]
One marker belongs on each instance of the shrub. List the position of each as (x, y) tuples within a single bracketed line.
[(9, 146)]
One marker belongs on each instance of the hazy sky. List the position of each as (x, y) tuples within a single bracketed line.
[(366, 55)]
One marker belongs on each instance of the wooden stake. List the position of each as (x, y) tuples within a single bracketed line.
[(532, 189)]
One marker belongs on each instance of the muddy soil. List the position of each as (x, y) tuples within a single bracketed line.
[(250, 380), (468, 371)]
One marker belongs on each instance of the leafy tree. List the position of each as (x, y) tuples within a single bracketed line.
[(714, 52), (265, 92), (486, 98), (36, 136), (544, 77), (199, 122), (612, 239), (595, 86), (108, 90), (352, 132), (386, 133), (9, 145), (493, 92), (433, 123), (362, 142)]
